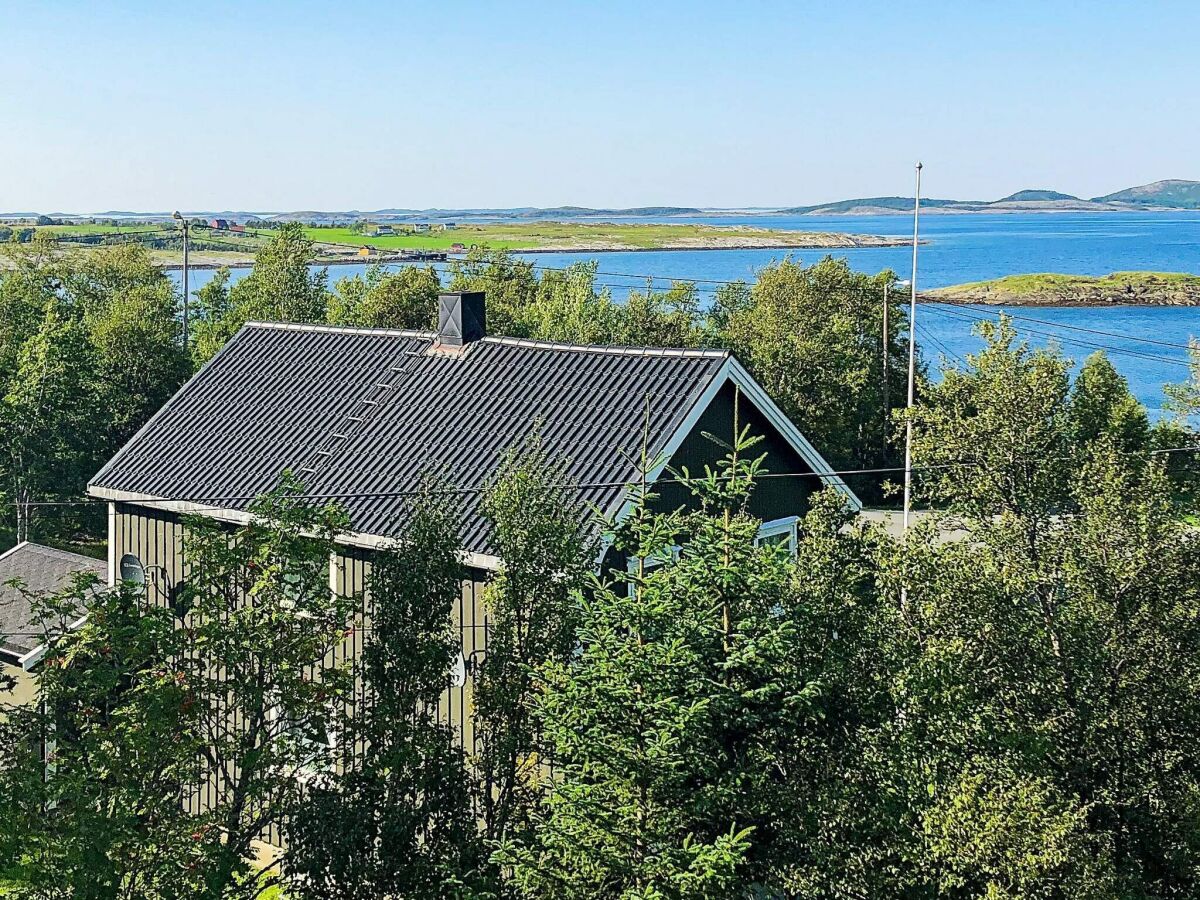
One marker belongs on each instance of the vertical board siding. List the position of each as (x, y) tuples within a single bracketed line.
[(157, 539)]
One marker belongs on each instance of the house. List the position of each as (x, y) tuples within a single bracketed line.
[(362, 414), (365, 251), (420, 227), (458, 248), (237, 229), (42, 570), (378, 230), (218, 223)]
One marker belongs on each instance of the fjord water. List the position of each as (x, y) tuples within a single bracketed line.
[(964, 247)]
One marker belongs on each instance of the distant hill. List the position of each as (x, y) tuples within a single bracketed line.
[(1170, 194), (898, 204), (1023, 196), (1174, 193), (1159, 195)]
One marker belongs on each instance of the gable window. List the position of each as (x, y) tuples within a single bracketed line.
[(780, 533)]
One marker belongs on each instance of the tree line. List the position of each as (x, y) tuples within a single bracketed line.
[(90, 347)]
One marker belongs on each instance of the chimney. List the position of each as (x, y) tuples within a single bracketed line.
[(462, 318)]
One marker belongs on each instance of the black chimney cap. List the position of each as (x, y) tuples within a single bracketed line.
[(462, 317)]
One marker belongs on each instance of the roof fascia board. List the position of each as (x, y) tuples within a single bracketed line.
[(11, 550), (624, 504), (734, 371), (241, 517), (777, 417), (37, 654)]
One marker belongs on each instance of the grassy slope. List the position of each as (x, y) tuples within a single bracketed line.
[(563, 235), (531, 236)]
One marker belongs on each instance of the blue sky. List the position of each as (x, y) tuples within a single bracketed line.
[(340, 105)]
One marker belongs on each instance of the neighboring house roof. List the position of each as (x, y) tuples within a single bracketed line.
[(42, 570), (282, 396)]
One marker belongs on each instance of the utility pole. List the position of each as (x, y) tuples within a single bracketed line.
[(887, 401), (912, 352), (887, 347), (186, 224)]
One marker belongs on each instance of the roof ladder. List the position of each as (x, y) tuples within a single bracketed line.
[(356, 421)]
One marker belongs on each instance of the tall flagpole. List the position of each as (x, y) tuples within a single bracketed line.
[(912, 353)]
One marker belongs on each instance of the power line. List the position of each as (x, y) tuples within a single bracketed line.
[(961, 308), (452, 265), (927, 332), (581, 485), (1089, 345)]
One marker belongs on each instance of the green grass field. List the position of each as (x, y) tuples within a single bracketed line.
[(90, 229), (438, 240), (583, 235), (1047, 282), (562, 236)]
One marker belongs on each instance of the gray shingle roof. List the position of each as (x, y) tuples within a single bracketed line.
[(289, 397), (42, 569)]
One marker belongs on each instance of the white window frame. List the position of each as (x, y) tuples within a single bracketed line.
[(650, 562), (787, 526), (312, 769)]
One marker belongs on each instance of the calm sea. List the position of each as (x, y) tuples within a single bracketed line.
[(971, 247)]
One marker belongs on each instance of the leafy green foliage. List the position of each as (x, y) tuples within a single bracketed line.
[(279, 288), (535, 531), (50, 415), (1047, 687), (1046, 668), (262, 625), (813, 338), (99, 816), (406, 299), (89, 349), (395, 819), (140, 358), (1101, 406), (212, 322), (1007, 433), (1184, 399)]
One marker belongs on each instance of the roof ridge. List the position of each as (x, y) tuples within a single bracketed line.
[(341, 329), (616, 349), (47, 550)]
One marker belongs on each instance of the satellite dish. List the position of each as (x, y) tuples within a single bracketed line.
[(132, 569), (458, 671), (178, 600)]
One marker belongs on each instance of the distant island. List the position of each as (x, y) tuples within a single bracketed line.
[(1172, 194), (1046, 289)]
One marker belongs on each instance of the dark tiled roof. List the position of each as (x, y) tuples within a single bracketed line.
[(278, 397), (43, 570)]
